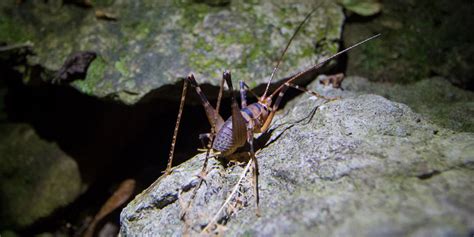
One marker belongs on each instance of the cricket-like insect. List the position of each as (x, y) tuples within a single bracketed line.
[(228, 135)]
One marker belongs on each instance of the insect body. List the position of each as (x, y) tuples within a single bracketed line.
[(229, 135), (232, 133)]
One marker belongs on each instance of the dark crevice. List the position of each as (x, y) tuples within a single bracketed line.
[(428, 175), (356, 18), (433, 173), (109, 141), (165, 200)]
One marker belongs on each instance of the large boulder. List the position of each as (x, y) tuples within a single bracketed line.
[(436, 98), (358, 166), (146, 45), (36, 177)]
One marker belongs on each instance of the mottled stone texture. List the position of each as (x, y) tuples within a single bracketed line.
[(435, 98), (151, 45), (359, 166)]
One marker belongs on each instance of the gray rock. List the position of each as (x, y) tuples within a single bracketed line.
[(36, 177), (362, 7), (359, 166), (435, 98), (152, 45)]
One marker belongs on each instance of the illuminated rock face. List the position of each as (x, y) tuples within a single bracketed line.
[(359, 166)]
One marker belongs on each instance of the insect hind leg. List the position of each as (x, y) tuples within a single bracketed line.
[(211, 113), (239, 126), (254, 170)]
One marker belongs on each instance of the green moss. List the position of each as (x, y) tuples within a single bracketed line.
[(202, 44), (96, 69), (234, 36), (142, 30), (245, 37), (95, 74), (252, 84), (256, 53), (258, 50), (193, 13), (11, 31), (221, 38), (373, 53), (307, 52), (121, 66), (419, 39), (200, 62)]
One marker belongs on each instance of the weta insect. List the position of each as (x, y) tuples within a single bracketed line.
[(228, 135)]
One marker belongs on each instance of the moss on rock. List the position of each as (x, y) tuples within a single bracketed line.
[(36, 177), (419, 39), (95, 75), (154, 44)]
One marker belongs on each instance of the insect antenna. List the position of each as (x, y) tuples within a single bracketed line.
[(286, 49), (318, 65)]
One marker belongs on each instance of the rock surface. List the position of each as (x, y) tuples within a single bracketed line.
[(36, 177), (419, 39), (362, 7), (435, 98), (359, 166), (151, 45)]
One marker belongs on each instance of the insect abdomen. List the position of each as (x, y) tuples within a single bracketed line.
[(224, 142)]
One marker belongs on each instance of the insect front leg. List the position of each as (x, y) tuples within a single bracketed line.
[(275, 106), (254, 169), (250, 129), (244, 88)]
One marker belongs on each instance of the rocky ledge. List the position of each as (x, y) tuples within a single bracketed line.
[(358, 166)]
